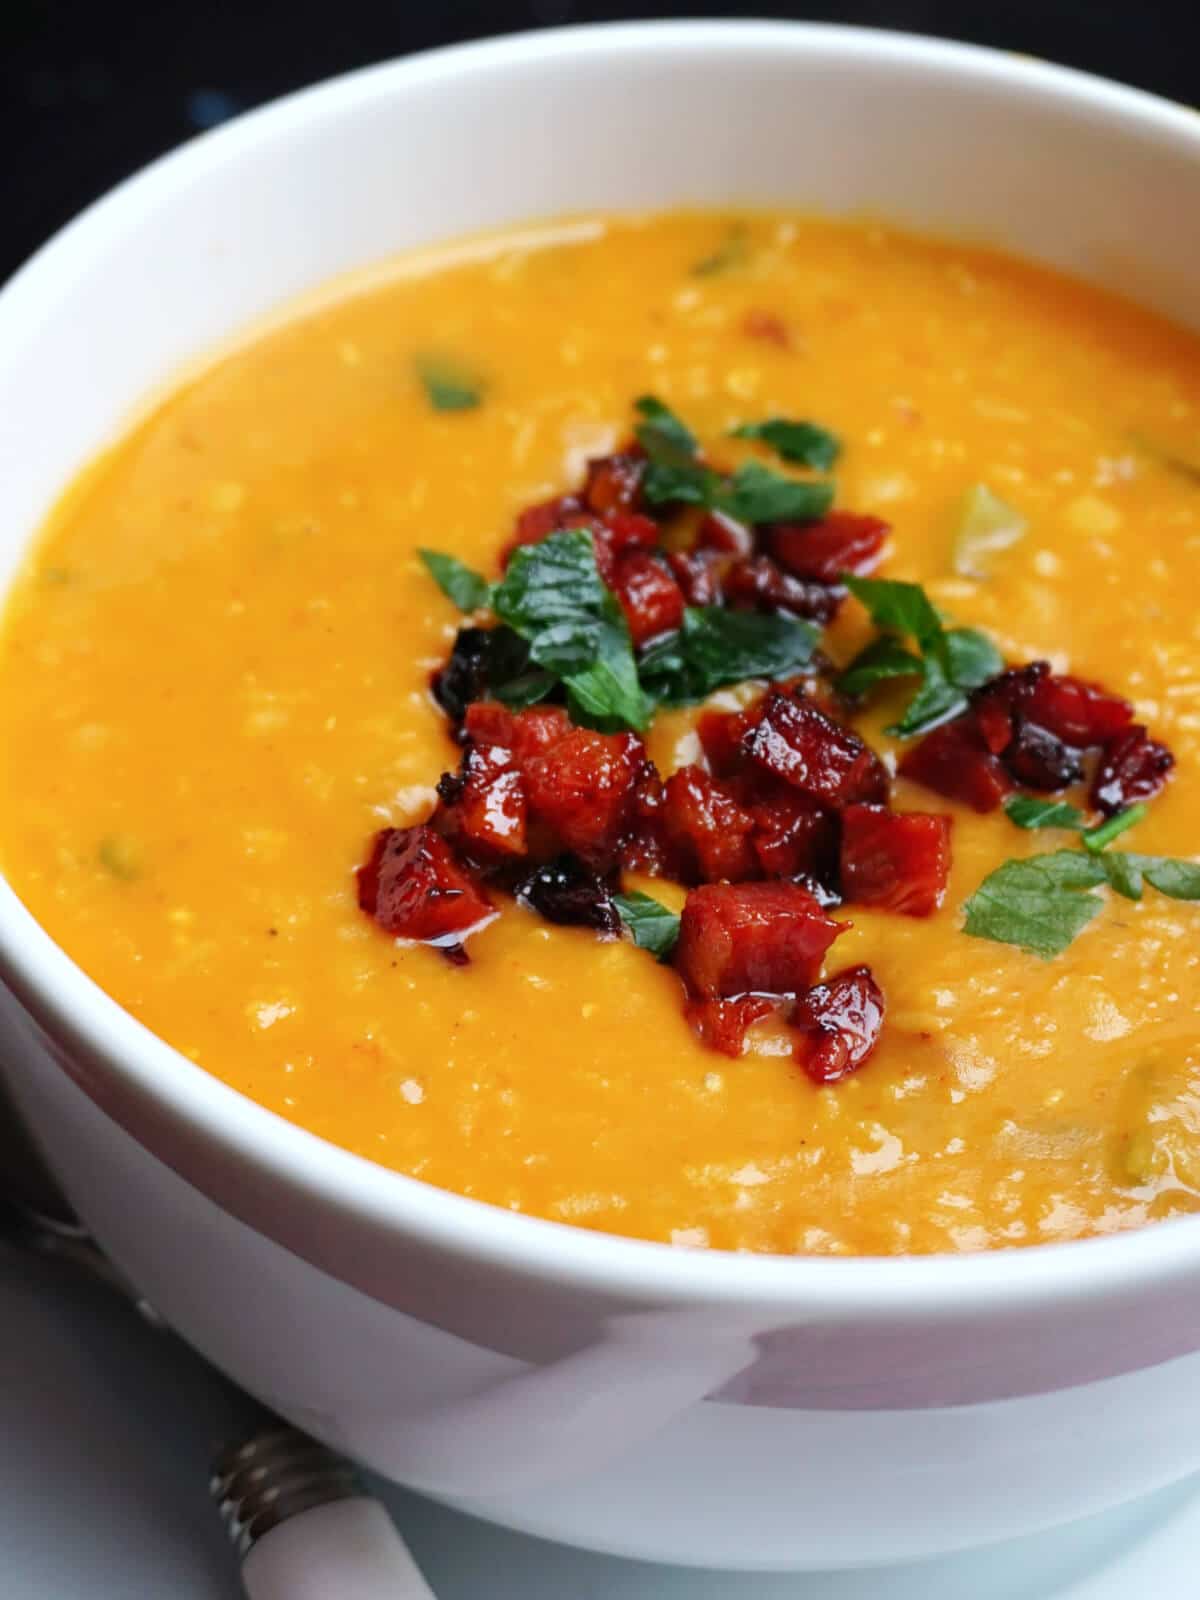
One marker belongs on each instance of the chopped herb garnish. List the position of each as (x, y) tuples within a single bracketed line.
[(756, 494), (1123, 875), (1039, 904), (1103, 834), (457, 582), (731, 252), (883, 658), (525, 688), (662, 435), (952, 661), (986, 524), (715, 647), (676, 476), (448, 386), (1027, 812), (649, 924), (692, 485), (805, 443), (1178, 880), (553, 596), (899, 608), (1042, 902)]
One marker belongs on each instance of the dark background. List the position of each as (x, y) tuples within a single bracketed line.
[(90, 90)]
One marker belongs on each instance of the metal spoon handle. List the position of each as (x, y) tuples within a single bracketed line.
[(305, 1527)]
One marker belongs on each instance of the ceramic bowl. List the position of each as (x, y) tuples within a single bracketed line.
[(693, 1406)]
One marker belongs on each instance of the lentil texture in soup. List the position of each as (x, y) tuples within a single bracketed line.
[(219, 746)]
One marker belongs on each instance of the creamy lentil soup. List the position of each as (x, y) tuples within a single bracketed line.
[(216, 690)]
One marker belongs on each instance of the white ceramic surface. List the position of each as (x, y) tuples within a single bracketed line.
[(695, 1407), (107, 1428)]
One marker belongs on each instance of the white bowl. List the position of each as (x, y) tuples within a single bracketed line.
[(717, 1409)]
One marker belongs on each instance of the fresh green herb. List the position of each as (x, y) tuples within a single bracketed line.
[(731, 252), (553, 596), (607, 694), (676, 476), (662, 435), (1103, 834), (1039, 904), (952, 661), (650, 925), (693, 485), (1178, 880), (1123, 875), (524, 688), (899, 607), (448, 386), (457, 582), (1027, 812), (715, 647), (802, 442), (973, 657), (122, 856), (884, 658), (756, 494), (1042, 902), (986, 524)]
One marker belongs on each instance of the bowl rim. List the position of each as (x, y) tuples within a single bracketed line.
[(334, 1179)]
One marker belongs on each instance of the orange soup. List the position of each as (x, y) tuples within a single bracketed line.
[(217, 671)]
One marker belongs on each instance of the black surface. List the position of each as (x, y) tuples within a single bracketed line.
[(90, 91)]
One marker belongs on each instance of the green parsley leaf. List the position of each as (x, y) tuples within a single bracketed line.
[(457, 582), (549, 585), (882, 659), (1040, 903), (1179, 880), (649, 924), (936, 701), (953, 661), (805, 443), (756, 494), (715, 647), (662, 435), (553, 596), (1027, 812), (508, 673), (694, 485), (1103, 834), (526, 689), (1124, 874), (731, 252), (972, 656), (675, 475), (607, 693), (986, 524), (899, 607), (448, 386)]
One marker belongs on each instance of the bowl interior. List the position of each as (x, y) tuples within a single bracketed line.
[(1083, 175)]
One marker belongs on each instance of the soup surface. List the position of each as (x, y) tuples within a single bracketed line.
[(216, 670)]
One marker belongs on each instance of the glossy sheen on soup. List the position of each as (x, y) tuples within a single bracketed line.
[(216, 690)]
